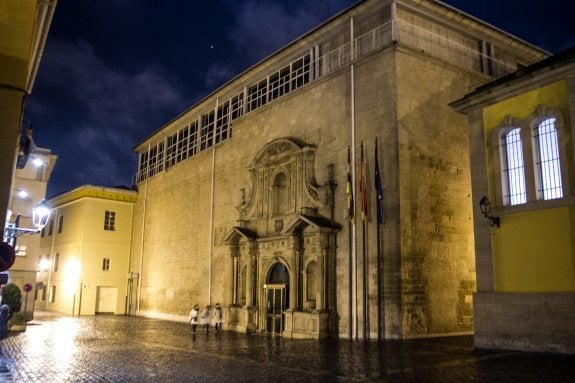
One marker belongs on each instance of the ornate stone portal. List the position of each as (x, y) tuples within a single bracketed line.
[(282, 253)]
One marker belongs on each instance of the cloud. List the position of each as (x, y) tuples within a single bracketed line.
[(262, 28), (217, 74), (94, 114)]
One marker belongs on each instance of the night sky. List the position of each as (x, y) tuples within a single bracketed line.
[(115, 71)]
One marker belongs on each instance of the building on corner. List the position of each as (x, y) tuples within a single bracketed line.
[(84, 252), (521, 131)]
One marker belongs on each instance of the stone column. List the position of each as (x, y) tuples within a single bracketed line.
[(232, 271), (249, 281), (294, 281), (321, 282), (250, 271)]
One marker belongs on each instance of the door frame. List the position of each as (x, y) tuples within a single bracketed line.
[(274, 319)]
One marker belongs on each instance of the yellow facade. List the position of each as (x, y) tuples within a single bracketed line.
[(89, 254), (524, 259)]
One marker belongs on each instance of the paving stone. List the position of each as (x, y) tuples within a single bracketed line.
[(133, 349)]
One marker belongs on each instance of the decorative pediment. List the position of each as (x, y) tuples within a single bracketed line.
[(237, 234), (301, 222), (282, 181)]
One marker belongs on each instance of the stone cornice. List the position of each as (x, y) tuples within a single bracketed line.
[(90, 191)]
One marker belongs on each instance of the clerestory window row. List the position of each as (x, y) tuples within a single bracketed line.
[(329, 56)]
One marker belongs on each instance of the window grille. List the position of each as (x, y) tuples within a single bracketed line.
[(222, 122), (237, 106), (110, 220), (193, 140), (548, 166), (514, 168), (171, 145), (182, 148), (257, 95), (207, 131)]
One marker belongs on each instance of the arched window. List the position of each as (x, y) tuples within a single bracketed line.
[(514, 167), (548, 167), (531, 159), (279, 274), (280, 194)]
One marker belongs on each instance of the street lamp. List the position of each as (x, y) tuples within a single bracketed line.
[(485, 206), (40, 216)]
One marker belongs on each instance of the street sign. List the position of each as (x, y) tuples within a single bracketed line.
[(7, 256), (27, 287)]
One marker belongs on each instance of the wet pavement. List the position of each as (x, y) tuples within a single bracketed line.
[(131, 349)]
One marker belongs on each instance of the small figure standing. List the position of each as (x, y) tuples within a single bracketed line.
[(193, 317), (4, 316), (218, 317), (206, 316)]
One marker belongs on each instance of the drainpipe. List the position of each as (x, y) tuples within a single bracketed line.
[(211, 229), (142, 241)]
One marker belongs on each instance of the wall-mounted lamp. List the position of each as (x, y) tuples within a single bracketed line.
[(40, 216), (485, 206)]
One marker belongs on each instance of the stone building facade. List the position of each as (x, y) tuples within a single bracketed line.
[(243, 198)]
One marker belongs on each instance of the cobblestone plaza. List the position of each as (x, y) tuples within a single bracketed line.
[(135, 349)]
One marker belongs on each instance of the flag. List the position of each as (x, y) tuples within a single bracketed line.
[(349, 189), (378, 188), (362, 183)]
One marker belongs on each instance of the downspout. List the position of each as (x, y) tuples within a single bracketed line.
[(142, 241), (211, 227), (81, 252), (130, 281)]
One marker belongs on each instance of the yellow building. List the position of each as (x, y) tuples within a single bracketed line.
[(84, 252), (521, 135), (29, 189), (24, 27)]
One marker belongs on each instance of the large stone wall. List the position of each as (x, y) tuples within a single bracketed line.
[(438, 273), (427, 243)]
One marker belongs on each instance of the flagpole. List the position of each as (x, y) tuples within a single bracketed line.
[(363, 202), (353, 228), (350, 222)]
